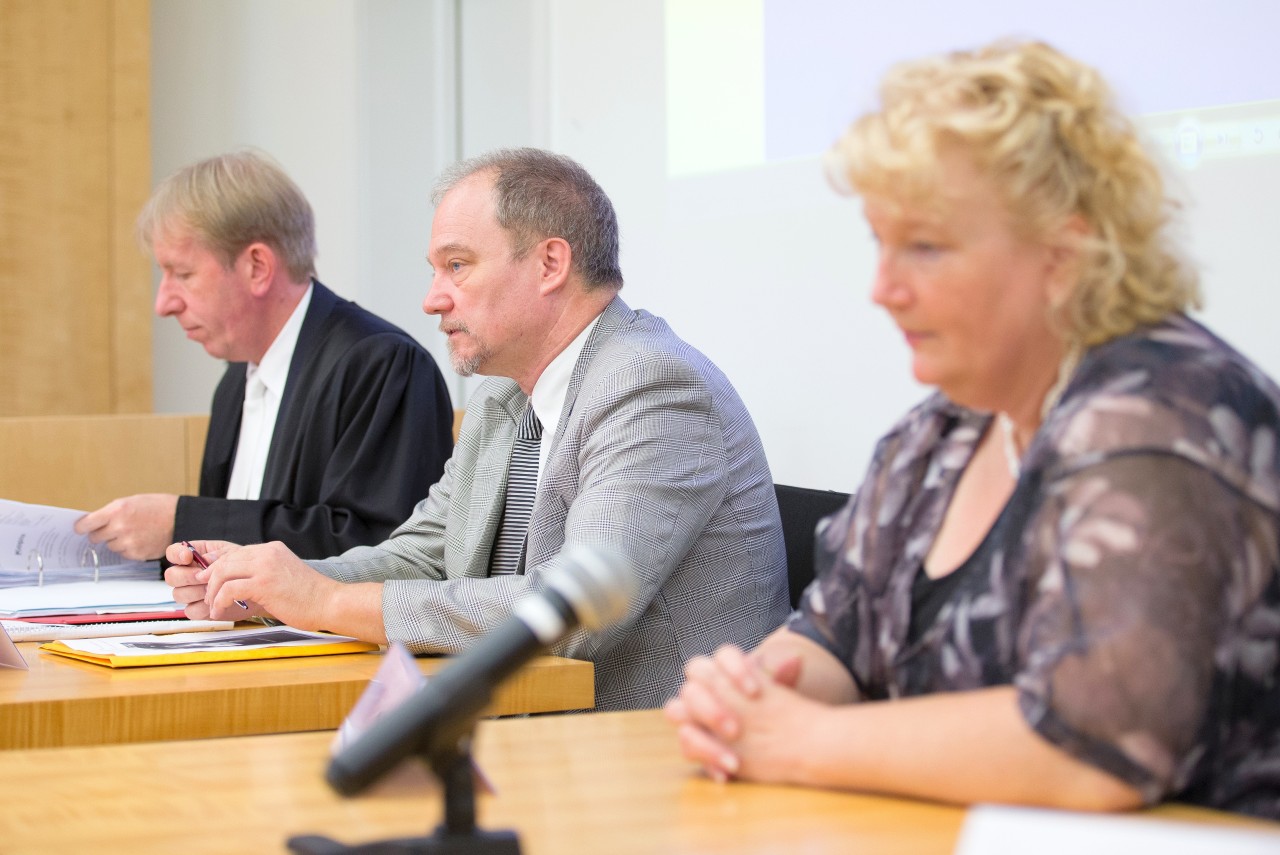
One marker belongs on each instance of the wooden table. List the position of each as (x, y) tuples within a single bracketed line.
[(601, 782), (62, 702)]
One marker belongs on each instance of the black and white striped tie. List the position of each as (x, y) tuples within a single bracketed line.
[(522, 486)]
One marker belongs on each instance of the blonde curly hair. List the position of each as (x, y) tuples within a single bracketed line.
[(1043, 128)]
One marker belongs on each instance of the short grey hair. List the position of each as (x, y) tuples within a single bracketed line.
[(231, 201), (540, 195)]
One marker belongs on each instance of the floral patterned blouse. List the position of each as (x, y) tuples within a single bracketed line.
[(1128, 589)]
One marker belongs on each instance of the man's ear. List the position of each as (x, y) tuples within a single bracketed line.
[(257, 264), (555, 258)]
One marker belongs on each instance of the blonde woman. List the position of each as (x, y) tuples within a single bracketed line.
[(1057, 584)]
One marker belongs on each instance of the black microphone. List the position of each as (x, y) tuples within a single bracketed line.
[(589, 588)]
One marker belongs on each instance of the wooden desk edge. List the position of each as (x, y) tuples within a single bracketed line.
[(601, 782), (179, 711)]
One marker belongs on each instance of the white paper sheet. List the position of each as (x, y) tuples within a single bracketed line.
[(1001, 830)]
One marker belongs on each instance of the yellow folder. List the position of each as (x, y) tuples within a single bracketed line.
[(141, 650)]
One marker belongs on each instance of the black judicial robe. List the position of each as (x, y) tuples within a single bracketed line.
[(364, 429)]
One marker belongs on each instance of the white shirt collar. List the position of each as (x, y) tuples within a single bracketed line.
[(258, 416), (274, 367), (551, 388)]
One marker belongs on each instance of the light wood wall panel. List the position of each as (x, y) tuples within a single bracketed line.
[(84, 462), (197, 431), (75, 328), (131, 298)]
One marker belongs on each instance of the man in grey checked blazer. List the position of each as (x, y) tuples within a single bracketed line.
[(652, 456)]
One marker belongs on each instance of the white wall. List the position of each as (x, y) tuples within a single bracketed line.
[(766, 272), (354, 98), (770, 292)]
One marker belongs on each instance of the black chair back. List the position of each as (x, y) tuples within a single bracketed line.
[(801, 508)]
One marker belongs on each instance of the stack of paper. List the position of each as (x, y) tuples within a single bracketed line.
[(86, 598), (20, 630)]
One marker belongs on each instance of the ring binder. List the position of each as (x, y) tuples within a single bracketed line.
[(89, 552), (54, 553), (39, 566), (97, 566)]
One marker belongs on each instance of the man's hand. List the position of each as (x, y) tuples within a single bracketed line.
[(138, 527), (271, 577), (271, 581), (188, 588)]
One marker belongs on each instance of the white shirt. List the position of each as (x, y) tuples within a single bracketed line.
[(263, 390), (550, 389)]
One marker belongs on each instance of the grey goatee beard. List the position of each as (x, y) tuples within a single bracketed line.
[(466, 366)]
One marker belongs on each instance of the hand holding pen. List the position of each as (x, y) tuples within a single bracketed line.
[(204, 565)]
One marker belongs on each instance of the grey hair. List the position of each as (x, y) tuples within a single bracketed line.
[(231, 201), (539, 195)]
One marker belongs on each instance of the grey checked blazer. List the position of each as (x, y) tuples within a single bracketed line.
[(655, 458)]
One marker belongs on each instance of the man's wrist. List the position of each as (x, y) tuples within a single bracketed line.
[(355, 608)]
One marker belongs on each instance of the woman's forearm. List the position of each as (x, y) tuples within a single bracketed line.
[(959, 747)]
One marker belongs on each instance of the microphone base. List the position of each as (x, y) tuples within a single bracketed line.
[(457, 835), (440, 843)]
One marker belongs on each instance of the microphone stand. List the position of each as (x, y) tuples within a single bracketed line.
[(456, 835)]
